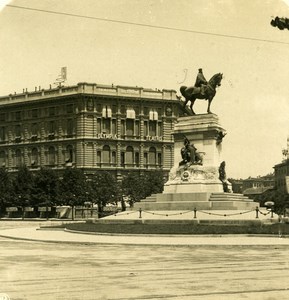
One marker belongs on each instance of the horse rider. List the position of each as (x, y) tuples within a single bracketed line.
[(201, 81)]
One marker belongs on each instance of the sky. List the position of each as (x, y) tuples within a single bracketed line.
[(162, 44)]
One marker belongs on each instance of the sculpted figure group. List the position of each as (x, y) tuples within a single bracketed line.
[(190, 155)]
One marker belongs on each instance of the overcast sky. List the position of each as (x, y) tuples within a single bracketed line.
[(232, 37)]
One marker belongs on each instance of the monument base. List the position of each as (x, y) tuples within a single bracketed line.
[(199, 201)]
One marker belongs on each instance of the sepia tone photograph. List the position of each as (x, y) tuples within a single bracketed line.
[(144, 149)]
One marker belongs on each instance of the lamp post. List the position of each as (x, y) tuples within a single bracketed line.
[(270, 206)]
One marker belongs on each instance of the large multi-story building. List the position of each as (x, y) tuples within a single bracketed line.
[(89, 126)]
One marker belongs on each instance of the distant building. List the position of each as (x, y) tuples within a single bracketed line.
[(91, 127), (257, 186), (237, 185), (282, 176)]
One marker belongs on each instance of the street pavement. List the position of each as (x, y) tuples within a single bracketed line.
[(33, 232), (45, 264)]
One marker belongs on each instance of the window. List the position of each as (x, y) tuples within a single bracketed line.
[(145, 128), (98, 157), (106, 125), (69, 127), (34, 113), (2, 117), (2, 134), (51, 127), (51, 156), (2, 158), (69, 108), (159, 133), (152, 156), (153, 115), (122, 127), (113, 158), (145, 158), (159, 159), (152, 128), (51, 111), (34, 157), (113, 126), (18, 158), (137, 128), (130, 113), (106, 112), (129, 155), (122, 159), (18, 131), (18, 115), (106, 154), (34, 129), (129, 127), (137, 159), (69, 154), (98, 126)]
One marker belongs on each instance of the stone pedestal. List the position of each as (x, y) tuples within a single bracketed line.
[(202, 131), (197, 186)]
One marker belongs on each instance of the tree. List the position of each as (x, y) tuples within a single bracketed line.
[(154, 182), (46, 188), (280, 199), (73, 187), (23, 187), (134, 187), (6, 195), (104, 189)]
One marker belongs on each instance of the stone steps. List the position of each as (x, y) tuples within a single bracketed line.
[(229, 197)]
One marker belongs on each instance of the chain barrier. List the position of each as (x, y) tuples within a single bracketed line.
[(226, 215), (256, 210), (264, 214), (126, 213), (167, 215)]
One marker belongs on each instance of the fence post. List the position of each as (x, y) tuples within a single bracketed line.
[(140, 213), (257, 212), (272, 212), (195, 213)]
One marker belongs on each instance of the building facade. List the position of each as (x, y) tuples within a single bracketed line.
[(282, 176), (91, 127)]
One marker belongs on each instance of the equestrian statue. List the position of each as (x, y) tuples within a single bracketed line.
[(201, 90)]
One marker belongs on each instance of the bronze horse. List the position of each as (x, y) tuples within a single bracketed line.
[(192, 93)]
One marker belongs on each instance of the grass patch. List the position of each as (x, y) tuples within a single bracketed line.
[(140, 228)]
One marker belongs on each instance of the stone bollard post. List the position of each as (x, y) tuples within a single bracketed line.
[(195, 213), (257, 212)]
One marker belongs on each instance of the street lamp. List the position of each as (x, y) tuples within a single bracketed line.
[(270, 206)]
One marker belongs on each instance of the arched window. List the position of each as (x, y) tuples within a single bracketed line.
[(106, 154), (152, 156), (51, 156), (18, 158), (129, 155), (2, 159), (34, 157)]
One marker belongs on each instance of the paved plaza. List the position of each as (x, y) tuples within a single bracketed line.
[(80, 266)]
